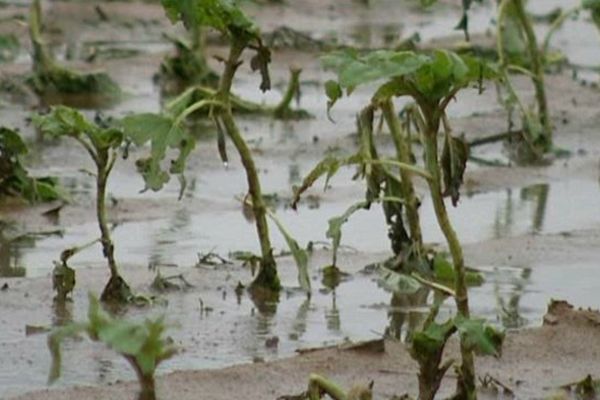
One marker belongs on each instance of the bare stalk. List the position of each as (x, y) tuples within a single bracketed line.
[(466, 382), (293, 88), (267, 276)]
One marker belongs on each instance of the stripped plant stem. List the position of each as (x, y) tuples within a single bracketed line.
[(267, 275)]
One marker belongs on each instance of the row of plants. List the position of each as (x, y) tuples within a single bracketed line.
[(429, 80)]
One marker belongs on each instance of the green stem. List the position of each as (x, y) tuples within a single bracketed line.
[(146, 381), (43, 61), (466, 381), (556, 25), (407, 187), (293, 88), (105, 238), (267, 276), (537, 68), (318, 384)]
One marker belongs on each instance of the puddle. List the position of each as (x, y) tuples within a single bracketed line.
[(236, 330)]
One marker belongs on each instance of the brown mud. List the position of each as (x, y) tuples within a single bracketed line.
[(533, 231)]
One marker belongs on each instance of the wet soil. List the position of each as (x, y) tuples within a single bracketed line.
[(532, 231)]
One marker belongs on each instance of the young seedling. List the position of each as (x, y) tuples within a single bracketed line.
[(51, 80), (14, 178), (432, 81), (394, 190), (518, 51), (101, 144), (142, 344)]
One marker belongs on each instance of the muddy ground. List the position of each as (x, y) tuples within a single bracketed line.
[(533, 231)]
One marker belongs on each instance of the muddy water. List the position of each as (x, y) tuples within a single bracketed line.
[(212, 325)]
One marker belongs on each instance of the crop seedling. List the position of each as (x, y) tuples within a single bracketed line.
[(142, 344), (15, 181), (519, 51), (431, 80), (166, 130), (52, 81), (101, 143)]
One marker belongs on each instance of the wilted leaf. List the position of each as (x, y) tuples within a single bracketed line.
[(428, 344), (453, 163), (354, 69), (142, 342), (163, 134), (479, 336), (300, 255), (334, 232), (397, 282), (334, 92), (222, 15), (329, 167), (260, 62)]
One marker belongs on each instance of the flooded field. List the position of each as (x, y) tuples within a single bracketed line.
[(533, 232)]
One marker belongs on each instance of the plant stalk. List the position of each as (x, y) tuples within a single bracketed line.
[(293, 88), (267, 276), (146, 381), (43, 60), (408, 190), (537, 68), (466, 382), (108, 248)]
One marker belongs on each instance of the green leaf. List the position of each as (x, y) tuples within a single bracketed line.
[(334, 232), (433, 75), (55, 339), (142, 342), (329, 167), (429, 344), (334, 92), (163, 133), (397, 282), (11, 143), (222, 15), (354, 69), (64, 121), (479, 336), (453, 163), (443, 271), (300, 255)]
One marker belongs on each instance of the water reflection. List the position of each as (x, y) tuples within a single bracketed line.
[(406, 314), (332, 315), (506, 216), (11, 253), (509, 287)]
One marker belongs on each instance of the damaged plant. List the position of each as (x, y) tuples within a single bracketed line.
[(101, 143), (142, 344), (518, 51), (15, 180), (431, 80), (50, 80), (242, 34)]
